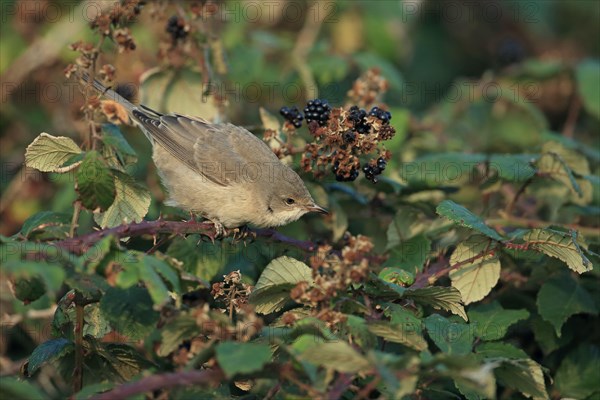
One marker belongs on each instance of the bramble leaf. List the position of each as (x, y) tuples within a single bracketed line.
[(463, 217), (48, 153)]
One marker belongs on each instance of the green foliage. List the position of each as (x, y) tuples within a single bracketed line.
[(470, 270)]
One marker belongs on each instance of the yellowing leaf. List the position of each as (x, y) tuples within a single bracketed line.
[(279, 277), (48, 153), (131, 203), (559, 245), (479, 269)]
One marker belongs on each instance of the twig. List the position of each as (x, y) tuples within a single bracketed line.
[(341, 384), (162, 381), (573, 113), (75, 218), (81, 244), (364, 393)]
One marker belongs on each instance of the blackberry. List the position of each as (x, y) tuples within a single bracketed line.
[(349, 137), (317, 110), (176, 27), (358, 118), (342, 178), (382, 115), (293, 115), (371, 171)]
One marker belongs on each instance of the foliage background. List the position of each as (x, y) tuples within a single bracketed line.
[(467, 80)]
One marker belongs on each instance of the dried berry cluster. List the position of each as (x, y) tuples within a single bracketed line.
[(349, 134), (368, 89), (333, 273), (232, 291)]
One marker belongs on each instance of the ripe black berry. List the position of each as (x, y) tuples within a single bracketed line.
[(340, 177), (349, 137), (371, 171), (176, 27), (293, 115), (317, 110), (382, 115), (358, 118)]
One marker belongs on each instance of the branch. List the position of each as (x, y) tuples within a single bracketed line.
[(162, 381), (80, 244)]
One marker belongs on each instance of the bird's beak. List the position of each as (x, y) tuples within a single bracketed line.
[(316, 208)]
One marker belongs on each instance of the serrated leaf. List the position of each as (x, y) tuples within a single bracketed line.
[(396, 333), (491, 321), (48, 153), (242, 358), (47, 220), (129, 311), (587, 74), (115, 145), (562, 296), (131, 203), (526, 376), (338, 356), (463, 217), (278, 278), (450, 337), (48, 351), (124, 359), (478, 270), (500, 350), (52, 275), (202, 259), (184, 327), (559, 245), (95, 182), (358, 329), (577, 376), (446, 298)]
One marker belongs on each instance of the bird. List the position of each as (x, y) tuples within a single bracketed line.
[(219, 171)]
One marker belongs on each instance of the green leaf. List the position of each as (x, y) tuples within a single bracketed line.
[(242, 358), (513, 167), (395, 333), (441, 170), (95, 182), (559, 245), (410, 254), (587, 74), (339, 219), (478, 268), (338, 356), (494, 350), (271, 292), (184, 327), (562, 296), (526, 376), (124, 359), (48, 153), (48, 351), (116, 146), (491, 321), (15, 389), (446, 298), (577, 376), (52, 275), (463, 217), (359, 331), (131, 203), (200, 258), (129, 311), (450, 337), (56, 223)]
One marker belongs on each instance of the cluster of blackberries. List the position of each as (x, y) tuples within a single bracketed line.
[(341, 178), (358, 117), (293, 115), (382, 115), (371, 171), (317, 110), (176, 27)]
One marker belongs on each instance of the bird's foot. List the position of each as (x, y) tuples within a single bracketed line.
[(243, 233)]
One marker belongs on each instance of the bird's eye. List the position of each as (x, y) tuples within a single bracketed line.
[(289, 201)]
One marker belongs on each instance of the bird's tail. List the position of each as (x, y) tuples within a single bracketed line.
[(109, 93)]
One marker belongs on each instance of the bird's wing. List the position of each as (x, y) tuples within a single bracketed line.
[(220, 152)]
